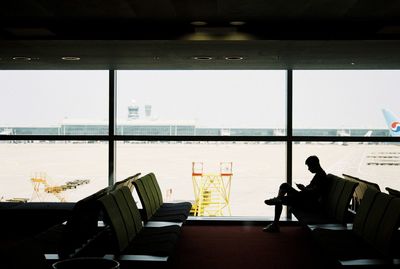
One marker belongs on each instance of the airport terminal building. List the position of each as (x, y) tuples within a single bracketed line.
[(172, 128)]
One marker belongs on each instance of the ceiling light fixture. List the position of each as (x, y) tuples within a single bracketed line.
[(203, 58), (198, 23), (70, 58), (21, 58), (234, 58), (237, 23)]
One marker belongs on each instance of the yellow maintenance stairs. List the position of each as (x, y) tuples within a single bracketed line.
[(211, 191)]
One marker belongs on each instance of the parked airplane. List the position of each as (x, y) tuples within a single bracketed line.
[(393, 122)]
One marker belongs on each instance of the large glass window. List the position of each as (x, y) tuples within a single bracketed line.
[(206, 103), (52, 171), (241, 174), (345, 102), (54, 102), (211, 103)]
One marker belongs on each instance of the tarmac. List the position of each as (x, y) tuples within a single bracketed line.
[(257, 168)]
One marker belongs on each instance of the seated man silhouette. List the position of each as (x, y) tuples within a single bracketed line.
[(307, 198)]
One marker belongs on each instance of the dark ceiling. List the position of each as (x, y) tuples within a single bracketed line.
[(163, 34)]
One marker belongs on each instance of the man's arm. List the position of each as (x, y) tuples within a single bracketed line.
[(301, 186), (316, 182)]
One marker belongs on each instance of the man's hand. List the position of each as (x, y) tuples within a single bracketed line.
[(300, 186)]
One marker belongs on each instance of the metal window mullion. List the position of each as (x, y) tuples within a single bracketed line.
[(289, 130), (112, 104), (289, 121)]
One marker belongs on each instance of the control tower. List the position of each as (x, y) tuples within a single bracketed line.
[(133, 111), (147, 110)]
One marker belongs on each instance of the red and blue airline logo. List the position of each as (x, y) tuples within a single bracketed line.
[(395, 126)]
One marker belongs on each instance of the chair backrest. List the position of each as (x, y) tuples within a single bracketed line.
[(144, 199), (329, 190), (83, 223), (385, 239), (360, 190), (126, 182), (151, 191), (125, 212), (133, 208), (377, 221), (362, 182), (363, 210), (375, 217), (117, 224), (334, 197), (157, 188), (343, 205), (393, 192)]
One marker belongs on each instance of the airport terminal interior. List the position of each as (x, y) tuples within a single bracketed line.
[(153, 134)]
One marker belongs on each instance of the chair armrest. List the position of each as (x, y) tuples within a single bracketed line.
[(332, 226), (162, 224), (137, 258), (52, 256), (370, 262)]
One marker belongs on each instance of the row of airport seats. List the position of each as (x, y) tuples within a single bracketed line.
[(132, 240), (343, 196), (360, 225), (373, 241), (146, 235), (334, 206), (109, 224)]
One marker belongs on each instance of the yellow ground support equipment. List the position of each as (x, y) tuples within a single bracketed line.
[(39, 179), (211, 191)]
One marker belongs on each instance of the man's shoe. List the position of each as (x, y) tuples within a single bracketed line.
[(273, 201), (271, 228)]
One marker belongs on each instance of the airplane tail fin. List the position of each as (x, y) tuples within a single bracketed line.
[(392, 122)]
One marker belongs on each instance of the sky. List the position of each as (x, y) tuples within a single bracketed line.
[(226, 99), (211, 98)]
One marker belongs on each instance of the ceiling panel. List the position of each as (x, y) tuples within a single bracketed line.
[(156, 34), (272, 54)]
